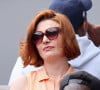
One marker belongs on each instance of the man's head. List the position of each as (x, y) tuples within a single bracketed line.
[(74, 9), (80, 80), (76, 86)]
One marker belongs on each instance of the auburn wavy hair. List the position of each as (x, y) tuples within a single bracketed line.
[(29, 53)]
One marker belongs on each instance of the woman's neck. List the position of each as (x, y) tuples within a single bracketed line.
[(57, 69)]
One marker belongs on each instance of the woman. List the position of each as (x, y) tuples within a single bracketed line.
[(50, 43)]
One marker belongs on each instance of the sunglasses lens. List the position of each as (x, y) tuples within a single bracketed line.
[(52, 33), (37, 37)]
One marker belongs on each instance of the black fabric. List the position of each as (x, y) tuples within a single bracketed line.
[(81, 77)]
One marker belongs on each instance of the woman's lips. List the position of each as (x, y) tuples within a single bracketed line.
[(48, 48)]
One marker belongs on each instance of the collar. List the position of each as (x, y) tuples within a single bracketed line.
[(43, 75)]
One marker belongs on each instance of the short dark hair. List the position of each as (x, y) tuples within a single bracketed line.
[(76, 86), (80, 78)]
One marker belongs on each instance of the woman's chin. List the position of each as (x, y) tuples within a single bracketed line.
[(49, 55)]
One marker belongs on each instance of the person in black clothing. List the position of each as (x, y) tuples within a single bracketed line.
[(80, 80)]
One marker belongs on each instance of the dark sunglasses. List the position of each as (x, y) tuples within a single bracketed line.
[(51, 34)]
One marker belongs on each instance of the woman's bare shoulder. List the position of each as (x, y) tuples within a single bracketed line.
[(19, 84)]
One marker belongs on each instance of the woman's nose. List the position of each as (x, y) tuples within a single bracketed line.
[(45, 40)]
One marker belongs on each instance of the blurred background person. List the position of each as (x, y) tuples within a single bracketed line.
[(80, 80), (75, 86), (76, 10)]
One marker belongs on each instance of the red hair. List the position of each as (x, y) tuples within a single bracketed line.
[(29, 52)]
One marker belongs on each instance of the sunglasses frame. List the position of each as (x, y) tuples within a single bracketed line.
[(50, 35)]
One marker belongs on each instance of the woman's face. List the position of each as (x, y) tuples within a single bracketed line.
[(49, 47)]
